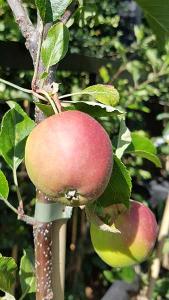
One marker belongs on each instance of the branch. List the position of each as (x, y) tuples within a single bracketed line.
[(68, 13), (25, 24), (155, 267)]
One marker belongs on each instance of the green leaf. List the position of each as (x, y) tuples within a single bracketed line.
[(94, 109), (45, 108), (140, 142), (7, 278), (157, 13), (119, 186), (124, 139), (143, 147), (108, 275), (51, 10), (106, 94), (55, 45), (151, 157), (4, 188), (15, 128), (27, 272), (104, 74), (127, 274)]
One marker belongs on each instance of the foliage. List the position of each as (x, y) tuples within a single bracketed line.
[(137, 71)]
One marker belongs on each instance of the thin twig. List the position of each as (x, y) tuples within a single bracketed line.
[(146, 82), (22, 89), (68, 13), (120, 70), (11, 207), (25, 24), (20, 211), (57, 102), (51, 101), (25, 218), (16, 186), (15, 86)]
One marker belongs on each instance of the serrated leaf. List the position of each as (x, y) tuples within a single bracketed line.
[(124, 139), (149, 156), (4, 187), (55, 46), (51, 10), (27, 272), (143, 147), (105, 94), (157, 14), (119, 186), (94, 109), (139, 142), (7, 267), (15, 127)]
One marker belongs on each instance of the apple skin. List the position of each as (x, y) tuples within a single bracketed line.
[(138, 229), (69, 151)]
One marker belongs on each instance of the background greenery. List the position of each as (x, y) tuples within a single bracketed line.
[(119, 32)]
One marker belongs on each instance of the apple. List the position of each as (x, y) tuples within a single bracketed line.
[(69, 156), (134, 243)]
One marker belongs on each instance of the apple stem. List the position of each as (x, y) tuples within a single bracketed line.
[(50, 99), (94, 218), (57, 102)]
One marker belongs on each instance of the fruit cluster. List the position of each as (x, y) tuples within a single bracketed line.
[(69, 158)]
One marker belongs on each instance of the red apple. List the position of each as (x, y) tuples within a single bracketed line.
[(69, 154), (138, 229)]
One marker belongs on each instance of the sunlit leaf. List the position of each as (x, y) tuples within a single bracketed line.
[(143, 147), (123, 140), (7, 278), (157, 13), (55, 45), (4, 188), (106, 94), (51, 10), (119, 186), (15, 127), (27, 272)]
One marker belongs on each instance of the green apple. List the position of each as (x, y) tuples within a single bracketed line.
[(138, 232)]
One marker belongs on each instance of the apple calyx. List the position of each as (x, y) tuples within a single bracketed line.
[(70, 198)]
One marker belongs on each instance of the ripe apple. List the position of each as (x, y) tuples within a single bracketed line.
[(69, 155), (138, 232)]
